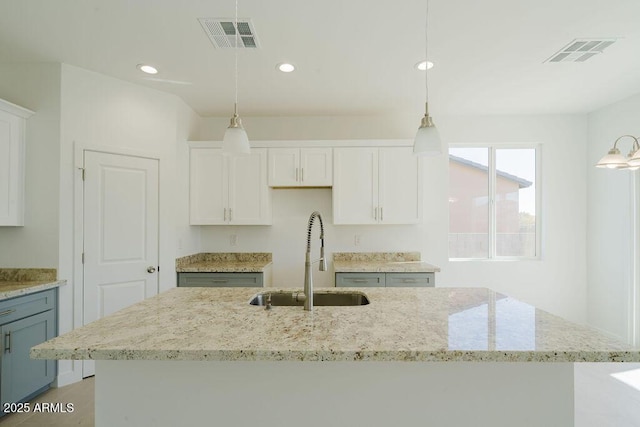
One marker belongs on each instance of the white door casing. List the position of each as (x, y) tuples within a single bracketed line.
[(120, 234)]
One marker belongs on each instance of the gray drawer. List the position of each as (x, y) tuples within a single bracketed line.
[(26, 305), (233, 280), (360, 280), (394, 280)]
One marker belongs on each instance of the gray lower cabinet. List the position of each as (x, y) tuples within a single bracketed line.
[(25, 322), (235, 280), (389, 280), (357, 280)]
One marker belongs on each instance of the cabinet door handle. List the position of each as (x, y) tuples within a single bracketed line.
[(6, 312), (296, 174), (225, 214), (230, 214), (381, 215), (302, 175), (375, 213), (7, 338)]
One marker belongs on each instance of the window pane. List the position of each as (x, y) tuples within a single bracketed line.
[(468, 203), (516, 202)]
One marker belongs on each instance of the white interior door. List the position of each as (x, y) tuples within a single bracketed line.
[(120, 234)]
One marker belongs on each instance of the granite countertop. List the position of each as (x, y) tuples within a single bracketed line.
[(399, 324), (381, 262), (224, 262), (15, 282)]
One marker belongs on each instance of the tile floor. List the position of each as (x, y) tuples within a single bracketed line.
[(601, 401)]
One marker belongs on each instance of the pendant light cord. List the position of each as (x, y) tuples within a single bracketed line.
[(426, 53), (236, 60)]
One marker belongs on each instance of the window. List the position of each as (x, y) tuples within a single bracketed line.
[(493, 202)]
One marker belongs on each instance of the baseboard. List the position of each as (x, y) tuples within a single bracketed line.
[(69, 376)]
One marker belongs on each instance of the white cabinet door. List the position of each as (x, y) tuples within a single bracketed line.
[(355, 186), (12, 162), (316, 167), (300, 167), (209, 187), (228, 189), (399, 186), (249, 197), (376, 186), (284, 167)]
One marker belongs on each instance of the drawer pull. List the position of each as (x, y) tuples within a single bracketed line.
[(359, 280), (409, 281), (7, 312), (7, 347), (219, 280)]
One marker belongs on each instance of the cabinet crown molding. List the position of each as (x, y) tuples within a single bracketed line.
[(15, 109), (313, 143)]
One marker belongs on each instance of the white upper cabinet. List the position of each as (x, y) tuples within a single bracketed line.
[(300, 167), (12, 163), (376, 186), (228, 189)]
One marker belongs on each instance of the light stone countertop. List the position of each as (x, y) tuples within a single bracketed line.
[(224, 262), (381, 262), (15, 282), (400, 324)]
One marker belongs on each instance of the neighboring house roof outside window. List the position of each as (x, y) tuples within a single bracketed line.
[(522, 183)]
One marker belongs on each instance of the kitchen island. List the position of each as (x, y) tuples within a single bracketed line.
[(413, 356)]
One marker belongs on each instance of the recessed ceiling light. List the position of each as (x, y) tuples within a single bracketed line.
[(147, 69), (286, 67), (424, 65)]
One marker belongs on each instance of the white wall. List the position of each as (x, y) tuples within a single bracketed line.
[(36, 87), (99, 111), (610, 221), (556, 283)]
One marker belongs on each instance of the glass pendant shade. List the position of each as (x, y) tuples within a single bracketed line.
[(235, 139), (634, 161), (427, 141), (613, 160)]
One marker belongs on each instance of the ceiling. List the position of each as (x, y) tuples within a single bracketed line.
[(353, 57)]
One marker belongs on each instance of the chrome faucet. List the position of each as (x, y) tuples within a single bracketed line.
[(308, 281)]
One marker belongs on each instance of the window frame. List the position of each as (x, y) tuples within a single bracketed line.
[(491, 190)]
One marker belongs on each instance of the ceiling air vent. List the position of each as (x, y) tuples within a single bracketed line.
[(222, 32), (580, 50)]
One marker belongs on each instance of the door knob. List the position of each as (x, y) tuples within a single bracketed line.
[(151, 269)]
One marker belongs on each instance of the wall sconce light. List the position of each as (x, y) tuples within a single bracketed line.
[(615, 160)]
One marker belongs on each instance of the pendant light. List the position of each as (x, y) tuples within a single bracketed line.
[(427, 141), (235, 139)]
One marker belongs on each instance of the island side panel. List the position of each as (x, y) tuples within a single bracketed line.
[(168, 393)]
